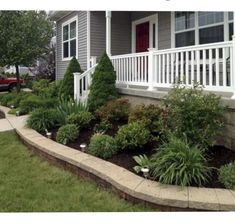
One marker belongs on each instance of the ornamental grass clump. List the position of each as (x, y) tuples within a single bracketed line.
[(194, 114), (132, 136), (178, 163), (41, 119)]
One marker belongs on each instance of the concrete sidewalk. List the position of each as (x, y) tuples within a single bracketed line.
[(5, 125)]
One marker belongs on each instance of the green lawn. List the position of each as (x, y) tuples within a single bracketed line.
[(28, 183)]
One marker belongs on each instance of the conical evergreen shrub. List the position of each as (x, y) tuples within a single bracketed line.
[(67, 84), (103, 84)]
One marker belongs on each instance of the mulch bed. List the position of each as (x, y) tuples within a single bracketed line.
[(217, 155), (2, 115)]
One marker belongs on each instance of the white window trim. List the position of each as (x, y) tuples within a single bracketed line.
[(225, 23), (151, 19), (75, 18)]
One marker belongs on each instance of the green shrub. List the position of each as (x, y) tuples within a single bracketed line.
[(132, 136), (143, 162), (6, 98), (192, 113), (45, 88), (67, 107), (67, 133), (114, 110), (178, 163), (80, 119), (227, 175), (102, 127), (41, 119), (67, 84), (32, 102), (103, 84), (103, 146), (152, 116)]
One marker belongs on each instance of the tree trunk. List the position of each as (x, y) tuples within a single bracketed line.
[(18, 78)]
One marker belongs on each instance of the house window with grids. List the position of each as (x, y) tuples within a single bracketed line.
[(69, 39)]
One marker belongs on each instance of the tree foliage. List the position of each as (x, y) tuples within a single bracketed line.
[(103, 84), (67, 85), (25, 37)]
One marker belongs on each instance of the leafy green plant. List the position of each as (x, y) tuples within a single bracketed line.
[(103, 146), (45, 88), (102, 127), (67, 133), (192, 113), (152, 116), (178, 163), (67, 85), (41, 119), (227, 175), (80, 119), (6, 98), (114, 110), (67, 107), (132, 136), (32, 102), (103, 84), (143, 162)]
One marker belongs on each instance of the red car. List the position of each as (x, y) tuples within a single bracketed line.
[(10, 83)]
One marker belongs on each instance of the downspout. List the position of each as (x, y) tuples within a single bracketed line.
[(108, 32), (88, 40)]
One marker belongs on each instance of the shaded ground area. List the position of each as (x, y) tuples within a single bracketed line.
[(2, 115), (217, 155), (28, 183)]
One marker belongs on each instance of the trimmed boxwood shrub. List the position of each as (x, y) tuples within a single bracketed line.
[(178, 163), (41, 119), (103, 146), (192, 113), (103, 84), (67, 84), (227, 175), (67, 133), (114, 110), (80, 119), (132, 136), (152, 116)]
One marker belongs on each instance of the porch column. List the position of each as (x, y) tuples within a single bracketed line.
[(108, 32), (233, 58)]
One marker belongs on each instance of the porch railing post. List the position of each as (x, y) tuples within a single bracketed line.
[(150, 70), (76, 86), (233, 60)]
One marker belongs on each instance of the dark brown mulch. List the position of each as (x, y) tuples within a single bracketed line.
[(217, 155), (2, 115)]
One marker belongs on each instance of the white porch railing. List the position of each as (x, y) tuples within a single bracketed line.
[(211, 65), (82, 84)]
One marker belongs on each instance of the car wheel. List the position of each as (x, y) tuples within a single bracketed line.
[(12, 87)]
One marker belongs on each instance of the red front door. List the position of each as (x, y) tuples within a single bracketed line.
[(142, 37)]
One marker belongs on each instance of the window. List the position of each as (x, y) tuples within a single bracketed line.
[(231, 31), (193, 28), (69, 42), (185, 29)]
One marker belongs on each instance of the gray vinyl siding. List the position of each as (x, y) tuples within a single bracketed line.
[(98, 33), (164, 30), (140, 15), (82, 43), (121, 33)]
